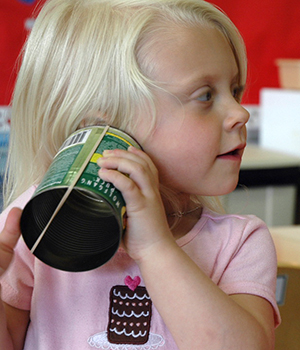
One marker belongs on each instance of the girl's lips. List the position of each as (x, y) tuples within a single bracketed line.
[(235, 154)]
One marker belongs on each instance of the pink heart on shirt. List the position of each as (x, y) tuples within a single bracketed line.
[(132, 283)]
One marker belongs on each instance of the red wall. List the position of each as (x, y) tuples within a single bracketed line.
[(13, 17), (271, 29)]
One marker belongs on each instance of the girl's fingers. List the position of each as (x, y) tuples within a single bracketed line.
[(9, 237), (135, 163), (142, 155), (133, 173), (129, 189), (133, 154)]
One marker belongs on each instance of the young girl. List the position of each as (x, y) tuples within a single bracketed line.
[(171, 73)]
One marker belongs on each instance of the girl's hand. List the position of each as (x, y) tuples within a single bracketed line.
[(146, 219), (9, 237)]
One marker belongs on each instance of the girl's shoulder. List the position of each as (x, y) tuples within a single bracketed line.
[(231, 220), (220, 227)]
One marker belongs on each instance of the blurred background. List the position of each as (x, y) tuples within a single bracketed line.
[(269, 185), (271, 31)]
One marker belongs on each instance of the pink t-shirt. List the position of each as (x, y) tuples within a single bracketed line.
[(108, 307)]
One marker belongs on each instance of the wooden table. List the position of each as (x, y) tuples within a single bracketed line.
[(262, 167)]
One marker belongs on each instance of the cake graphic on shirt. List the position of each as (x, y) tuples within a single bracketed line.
[(130, 313)]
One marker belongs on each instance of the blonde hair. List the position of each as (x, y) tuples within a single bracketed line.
[(88, 59)]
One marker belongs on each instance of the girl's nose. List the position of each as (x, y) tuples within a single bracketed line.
[(237, 116)]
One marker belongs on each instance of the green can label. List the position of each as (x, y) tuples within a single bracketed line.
[(72, 155)]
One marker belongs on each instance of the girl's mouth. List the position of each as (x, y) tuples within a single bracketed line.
[(235, 154), (231, 153)]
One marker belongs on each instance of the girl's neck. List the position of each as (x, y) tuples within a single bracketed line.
[(184, 218), (185, 223)]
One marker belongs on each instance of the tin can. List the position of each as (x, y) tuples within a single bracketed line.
[(74, 220)]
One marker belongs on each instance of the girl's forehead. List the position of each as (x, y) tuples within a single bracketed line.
[(189, 51)]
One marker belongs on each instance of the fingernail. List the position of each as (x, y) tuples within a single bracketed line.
[(107, 151)]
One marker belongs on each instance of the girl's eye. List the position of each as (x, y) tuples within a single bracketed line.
[(237, 93), (207, 96)]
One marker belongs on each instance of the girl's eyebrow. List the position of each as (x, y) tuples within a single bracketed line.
[(201, 80), (187, 86), (208, 78)]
